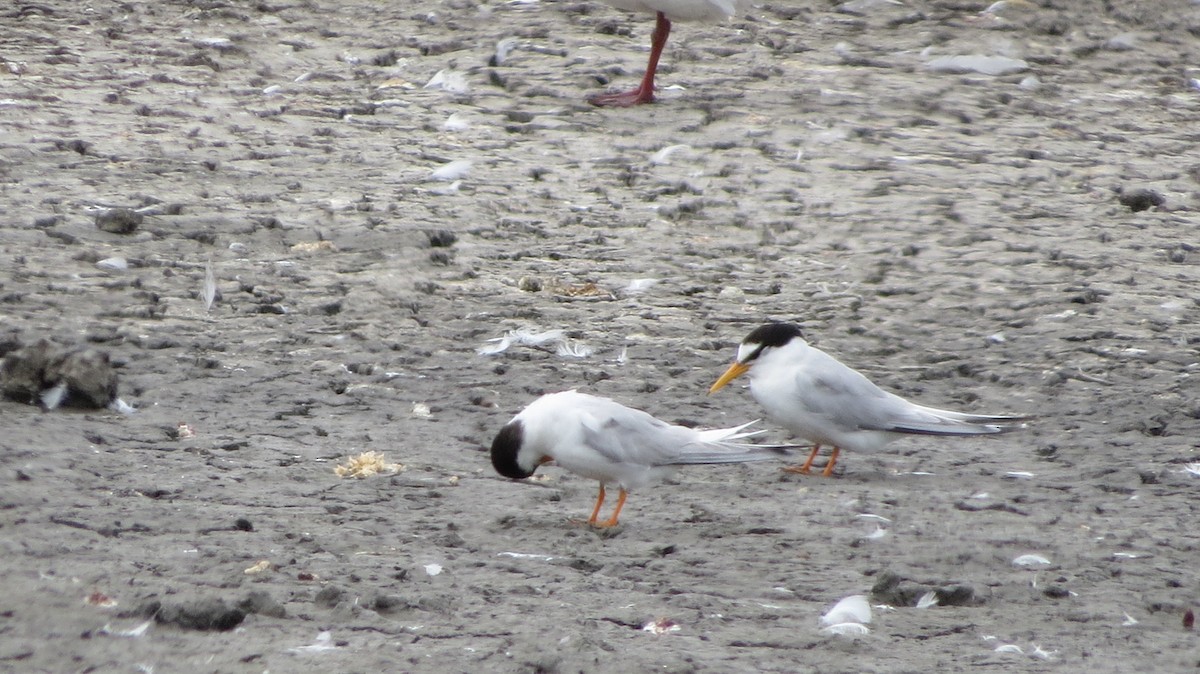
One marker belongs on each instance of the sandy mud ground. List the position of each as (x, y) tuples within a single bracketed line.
[(1021, 242)]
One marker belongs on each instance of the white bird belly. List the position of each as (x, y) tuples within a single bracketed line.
[(683, 10), (780, 401), (625, 475)]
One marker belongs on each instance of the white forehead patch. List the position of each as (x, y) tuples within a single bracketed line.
[(744, 351)]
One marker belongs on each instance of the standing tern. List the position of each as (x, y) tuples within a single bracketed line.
[(606, 441), (665, 12), (818, 398)]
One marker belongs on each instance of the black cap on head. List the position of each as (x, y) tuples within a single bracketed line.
[(774, 334), (505, 449)]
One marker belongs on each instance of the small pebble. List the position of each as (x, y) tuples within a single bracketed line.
[(441, 238), (1141, 199)]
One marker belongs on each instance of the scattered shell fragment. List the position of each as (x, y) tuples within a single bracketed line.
[(639, 285), (985, 65), (313, 247), (864, 7), (450, 171), (433, 569), (503, 49), (218, 43), (660, 626), (366, 465), (875, 535), (396, 83), (453, 81), (261, 566), (421, 411), (113, 263), (210, 285), (732, 293), (525, 555), (446, 190), (324, 642), (133, 633), (456, 122), (100, 599), (588, 289)]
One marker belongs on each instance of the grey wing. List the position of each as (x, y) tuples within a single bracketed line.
[(625, 435), (852, 402), (846, 398)]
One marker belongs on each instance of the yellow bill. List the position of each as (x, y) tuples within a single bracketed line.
[(736, 370)]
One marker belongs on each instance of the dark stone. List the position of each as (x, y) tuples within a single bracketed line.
[(891, 588), (956, 595), (119, 220), (441, 238), (87, 374), (209, 615), (1141, 199), (389, 603), (261, 603), (330, 596), (1056, 592)]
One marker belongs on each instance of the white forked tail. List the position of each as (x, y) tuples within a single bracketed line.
[(722, 445), (725, 435)]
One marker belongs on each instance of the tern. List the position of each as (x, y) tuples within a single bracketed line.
[(816, 397), (606, 441)]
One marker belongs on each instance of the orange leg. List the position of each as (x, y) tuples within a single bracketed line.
[(832, 460), (645, 91), (803, 470), (612, 521), (599, 502)]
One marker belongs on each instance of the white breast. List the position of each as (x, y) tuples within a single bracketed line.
[(684, 10)]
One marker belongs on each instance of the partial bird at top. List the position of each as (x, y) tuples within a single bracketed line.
[(666, 11), (815, 396)]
